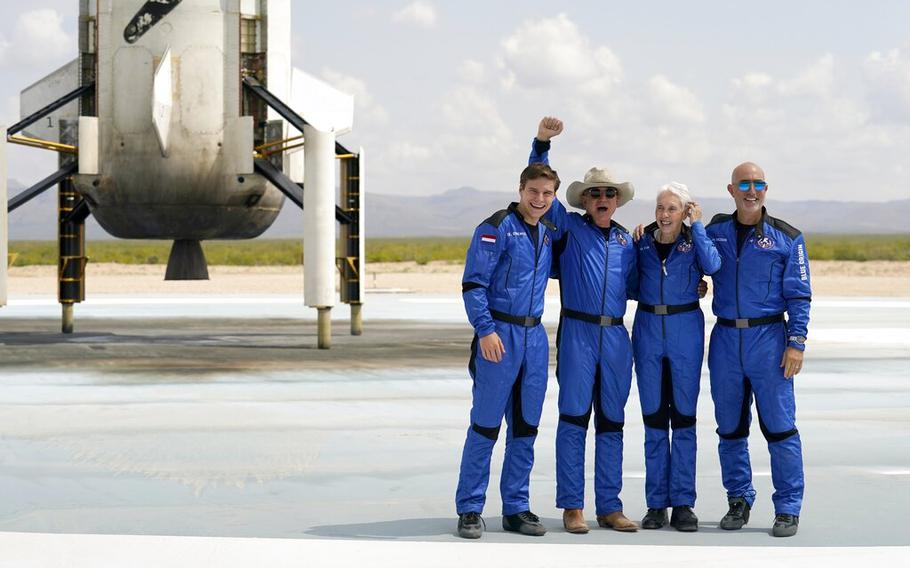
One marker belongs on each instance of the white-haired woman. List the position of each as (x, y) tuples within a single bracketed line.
[(668, 345)]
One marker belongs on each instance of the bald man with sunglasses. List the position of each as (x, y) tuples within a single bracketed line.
[(761, 300)]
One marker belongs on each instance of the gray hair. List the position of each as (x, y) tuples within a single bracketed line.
[(680, 190)]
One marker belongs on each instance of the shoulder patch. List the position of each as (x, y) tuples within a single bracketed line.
[(719, 218), (784, 227), (496, 218)]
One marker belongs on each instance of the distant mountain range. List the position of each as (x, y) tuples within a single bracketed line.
[(455, 213)]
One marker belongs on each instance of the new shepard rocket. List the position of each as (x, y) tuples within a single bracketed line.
[(183, 120)]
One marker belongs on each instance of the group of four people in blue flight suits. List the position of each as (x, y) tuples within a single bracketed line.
[(760, 271)]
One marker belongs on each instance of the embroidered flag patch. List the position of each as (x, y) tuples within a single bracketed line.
[(488, 239)]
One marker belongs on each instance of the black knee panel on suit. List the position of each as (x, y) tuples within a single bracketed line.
[(520, 428), (742, 429), (774, 436), (603, 424), (489, 433), (679, 420), (581, 420), (659, 420)]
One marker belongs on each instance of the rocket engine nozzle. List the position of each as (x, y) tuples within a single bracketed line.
[(187, 261)]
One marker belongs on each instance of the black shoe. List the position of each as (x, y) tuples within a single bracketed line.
[(737, 516), (470, 525), (683, 519), (785, 525), (654, 519), (525, 522)]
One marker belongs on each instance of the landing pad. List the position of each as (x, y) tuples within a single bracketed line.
[(218, 417)]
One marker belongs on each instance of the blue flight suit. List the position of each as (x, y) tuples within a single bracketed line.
[(753, 289), (597, 271), (668, 339), (505, 277)]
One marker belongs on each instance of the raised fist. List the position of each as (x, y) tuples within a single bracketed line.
[(549, 127)]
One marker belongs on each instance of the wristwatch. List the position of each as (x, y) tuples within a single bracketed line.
[(799, 339)]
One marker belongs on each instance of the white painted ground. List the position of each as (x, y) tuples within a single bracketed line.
[(332, 468)]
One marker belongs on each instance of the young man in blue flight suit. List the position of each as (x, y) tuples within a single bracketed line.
[(596, 262), (755, 350), (505, 276)]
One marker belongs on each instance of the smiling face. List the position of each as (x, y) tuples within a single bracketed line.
[(750, 202), (600, 208), (535, 198), (669, 215)]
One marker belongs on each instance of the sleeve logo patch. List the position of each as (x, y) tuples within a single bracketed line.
[(801, 260), (488, 239)]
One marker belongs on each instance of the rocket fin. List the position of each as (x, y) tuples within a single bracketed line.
[(45, 91)]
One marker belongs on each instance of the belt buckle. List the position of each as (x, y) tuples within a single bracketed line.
[(742, 323), (606, 321), (529, 321), (661, 310)]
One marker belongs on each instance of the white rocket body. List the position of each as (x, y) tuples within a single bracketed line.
[(169, 155), (175, 157)]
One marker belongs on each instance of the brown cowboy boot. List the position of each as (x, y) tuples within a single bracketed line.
[(617, 521), (574, 521)]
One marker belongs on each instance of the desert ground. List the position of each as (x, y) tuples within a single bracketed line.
[(829, 278)]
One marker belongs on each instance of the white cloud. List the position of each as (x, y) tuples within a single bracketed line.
[(408, 152), (553, 50), (673, 103), (420, 14), (366, 108), (888, 83), (551, 64), (472, 71), (815, 81), (4, 46), (473, 126), (39, 37)]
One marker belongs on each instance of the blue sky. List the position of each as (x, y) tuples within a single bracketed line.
[(449, 94)]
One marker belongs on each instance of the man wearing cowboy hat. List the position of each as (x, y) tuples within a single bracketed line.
[(596, 262), (755, 350)]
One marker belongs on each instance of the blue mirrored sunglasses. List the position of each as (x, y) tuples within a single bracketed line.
[(759, 185), (607, 192)]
